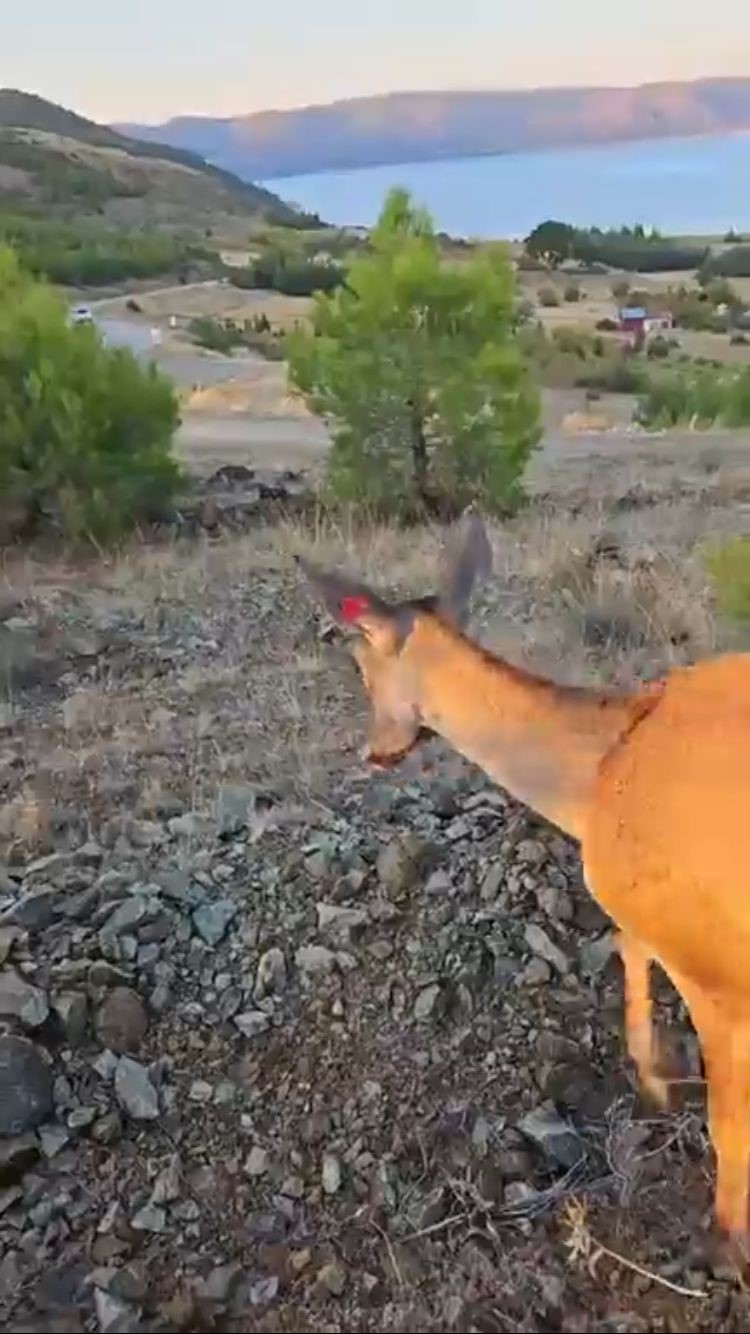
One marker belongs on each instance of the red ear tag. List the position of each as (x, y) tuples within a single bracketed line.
[(351, 608)]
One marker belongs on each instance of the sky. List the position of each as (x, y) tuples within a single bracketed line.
[(147, 60)]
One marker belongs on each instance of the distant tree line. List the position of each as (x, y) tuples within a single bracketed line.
[(631, 248)]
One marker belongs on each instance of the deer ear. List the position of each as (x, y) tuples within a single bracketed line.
[(354, 604), (469, 564)]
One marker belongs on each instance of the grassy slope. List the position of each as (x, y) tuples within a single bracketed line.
[(52, 155)]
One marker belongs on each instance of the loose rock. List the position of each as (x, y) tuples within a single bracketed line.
[(122, 1022), (212, 920), (20, 1000), (135, 1091), (26, 1082)]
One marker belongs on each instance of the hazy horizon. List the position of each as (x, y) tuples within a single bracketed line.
[(163, 59)]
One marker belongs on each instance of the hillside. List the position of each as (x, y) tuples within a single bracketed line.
[(51, 158), (403, 127)]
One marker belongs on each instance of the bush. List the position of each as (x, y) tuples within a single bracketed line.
[(292, 275), (572, 292), (85, 432), (728, 565), (734, 263), (702, 394), (607, 325), (659, 347), (215, 335), (548, 296)]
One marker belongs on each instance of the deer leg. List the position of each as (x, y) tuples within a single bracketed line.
[(725, 1041), (639, 1024)]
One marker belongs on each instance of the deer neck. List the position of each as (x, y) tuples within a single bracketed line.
[(544, 743)]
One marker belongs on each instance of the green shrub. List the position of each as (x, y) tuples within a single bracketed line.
[(734, 263), (701, 394), (85, 432), (572, 292), (215, 335), (728, 566), (659, 347), (607, 325), (548, 296), (290, 274)]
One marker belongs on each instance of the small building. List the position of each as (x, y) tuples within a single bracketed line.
[(632, 320), (639, 325)]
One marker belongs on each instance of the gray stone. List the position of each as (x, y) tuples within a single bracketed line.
[(81, 1118), (540, 944), (16, 1156), (134, 1090), (401, 864), (212, 920), (531, 852), (33, 912), (594, 955), (53, 1139), (186, 893), (223, 1282), (332, 1278), (256, 1163), (72, 1009), (122, 1022), (129, 914), (168, 1184), (252, 1023), (151, 1218), (537, 973), (235, 806), (271, 977), (427, 1002), (341, 921), (26, 1082), (107, 1129), (201, 1091), (8, 937), (20, 1000), (313, 960), (557, 1139), (113, 1315), (331, 1173), (492, 882)]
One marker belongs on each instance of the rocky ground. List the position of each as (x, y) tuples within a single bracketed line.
[(285, 1045)]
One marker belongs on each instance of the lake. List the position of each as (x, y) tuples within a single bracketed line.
[(699, 186)]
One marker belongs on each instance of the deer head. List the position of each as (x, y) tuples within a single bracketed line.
[(384, 638)]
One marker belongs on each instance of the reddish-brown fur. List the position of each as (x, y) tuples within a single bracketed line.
[(655, 785)]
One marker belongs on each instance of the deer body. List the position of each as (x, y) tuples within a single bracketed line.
[(654, 785)]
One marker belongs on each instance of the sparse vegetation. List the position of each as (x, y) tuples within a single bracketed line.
[(728, 564), (85, 432), (697, 395), (417, 367), (93, 254)]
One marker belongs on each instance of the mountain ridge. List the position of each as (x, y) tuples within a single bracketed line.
[(430, 126)]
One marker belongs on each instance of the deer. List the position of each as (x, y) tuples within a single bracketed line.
[(654, 784)]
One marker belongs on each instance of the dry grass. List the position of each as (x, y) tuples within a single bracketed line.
[(173, 668)]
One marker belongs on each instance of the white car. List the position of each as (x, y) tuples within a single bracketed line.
[(81, 315)]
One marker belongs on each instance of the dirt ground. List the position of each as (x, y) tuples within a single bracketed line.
[(296, 1046), (309, 1048)]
